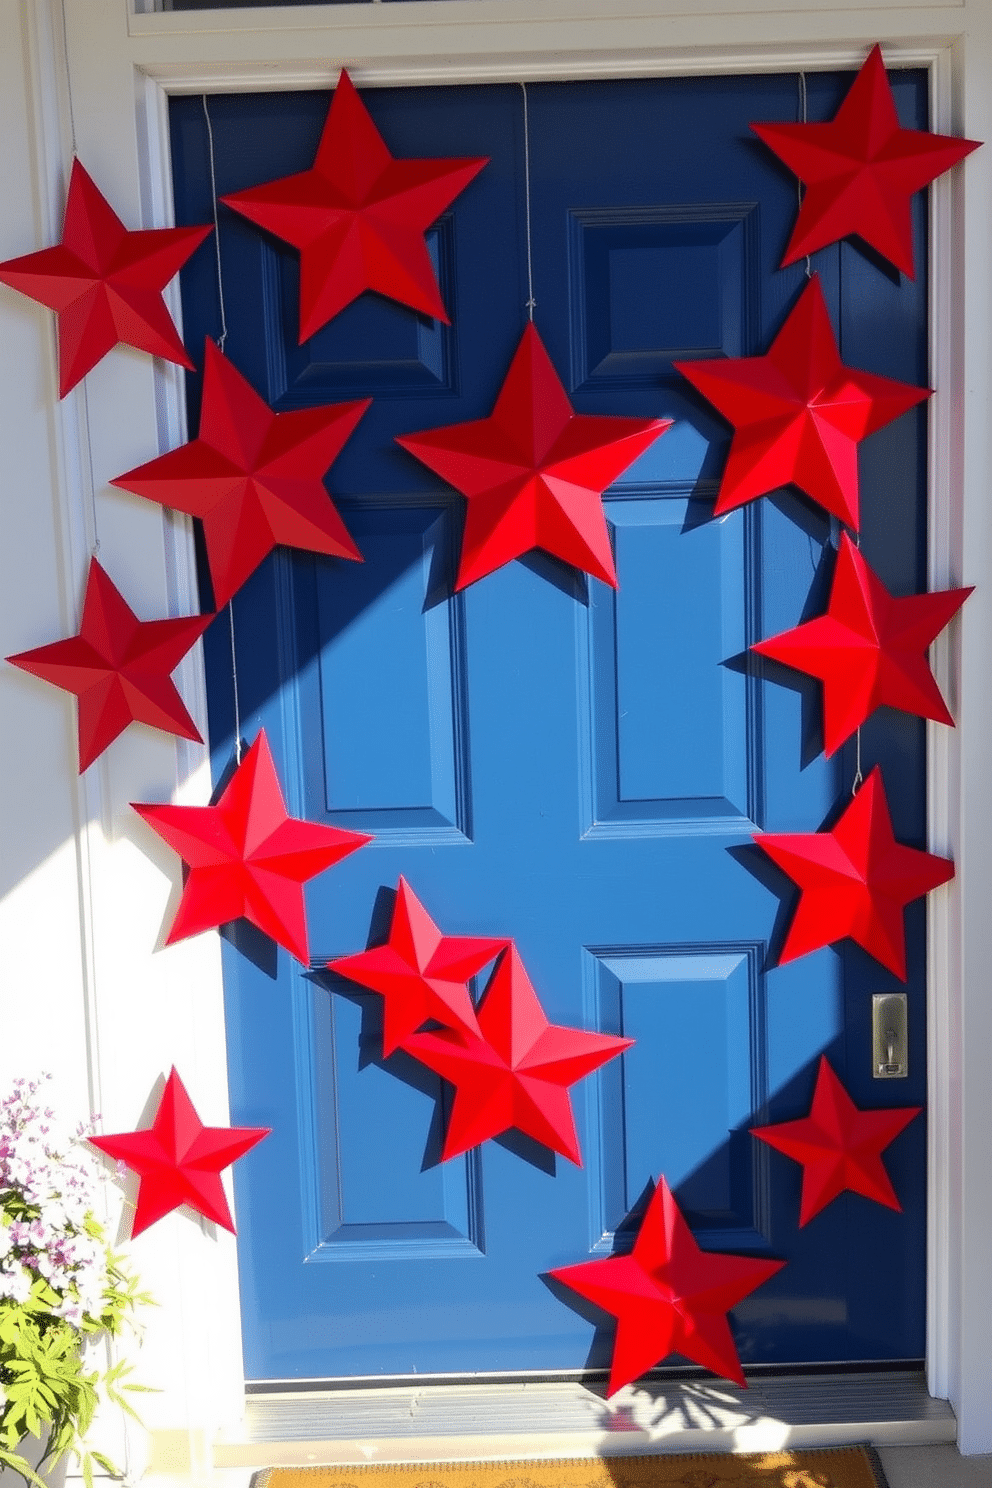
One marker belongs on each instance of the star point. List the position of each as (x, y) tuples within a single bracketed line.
[(246, 857), (118, 667), (798, 413), (839, 1145), (104, 283), (668, 1295), (358, 216), (534, 472), (855, 880), (179, 1160), (254, 477), (861, 169)]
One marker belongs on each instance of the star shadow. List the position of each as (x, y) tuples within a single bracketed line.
[(771, 877)]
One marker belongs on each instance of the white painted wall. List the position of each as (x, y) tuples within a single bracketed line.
[(85, 889)]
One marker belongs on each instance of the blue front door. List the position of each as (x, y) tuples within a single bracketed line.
[(547, 760)]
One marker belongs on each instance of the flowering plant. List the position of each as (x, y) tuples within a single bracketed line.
[(60, 1286)]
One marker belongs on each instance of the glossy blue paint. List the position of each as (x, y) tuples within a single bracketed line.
[(548, 760)]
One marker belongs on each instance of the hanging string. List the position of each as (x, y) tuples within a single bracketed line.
[(858, 777), (220, 346), (531, 302), (68, 83), (799, 184)]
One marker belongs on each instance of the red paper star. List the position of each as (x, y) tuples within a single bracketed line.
[(253, 477), (358, 216), (179, 1160), (869, 649), (861, 169), (246, 857), (517, 1074), (798, 413), (533, 471), (855, 880), (420, 973), (668, 1296), (839, 1146), (118, 667), (105, 283)]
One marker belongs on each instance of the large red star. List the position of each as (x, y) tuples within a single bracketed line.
[(105, 283), (420, 973), (855, 879), (861, 169), (179, 1160), (668, 1296), (517, 1074), (253, 477), (839, 1146), (798, 413), (246, 857), (869, 649), (118, 667), (358, 216), (534, 471)]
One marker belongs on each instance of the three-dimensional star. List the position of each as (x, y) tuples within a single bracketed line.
[(517, 1073), (253, 477), (105, 283), (358, 216), (668, 1296), (856, 880), (118, 667), (869, 649), (179, 1160), (534, 471), (839, 1146), (798, 413), (861, 170), (248, 859), (420, 973)]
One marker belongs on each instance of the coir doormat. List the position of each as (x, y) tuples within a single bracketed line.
[(839, 1467)]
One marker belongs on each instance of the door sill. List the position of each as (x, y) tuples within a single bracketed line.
[(541, 1419)]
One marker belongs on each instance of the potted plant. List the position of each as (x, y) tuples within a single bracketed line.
[(61, 1288)]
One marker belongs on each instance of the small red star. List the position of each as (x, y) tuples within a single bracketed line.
[(105, 283), (855, 879), (798, 413), (246, 857), (861, 169), (869, 649), (668, 1296), (253, 477), (358, 216), (118, 667), (534, 471), (420, 973), (839, 1146), (517, 1074), (179, 1160)]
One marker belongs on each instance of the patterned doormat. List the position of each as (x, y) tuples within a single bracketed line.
[(841, 1467)]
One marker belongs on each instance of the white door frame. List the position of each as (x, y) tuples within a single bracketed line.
[(144, 1009)]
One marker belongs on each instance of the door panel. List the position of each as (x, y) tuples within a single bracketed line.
[(546, 759)]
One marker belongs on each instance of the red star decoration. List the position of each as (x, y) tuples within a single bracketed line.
[(246, 857), (861, 169), (534, 471), (105, 283), (869, 649), (668, 1296), (420, 973), (118, 667), (517, 1074), (839, 1146), (253, 477), (855, 879), (798, 413), (179, 1160), (358, 216)]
